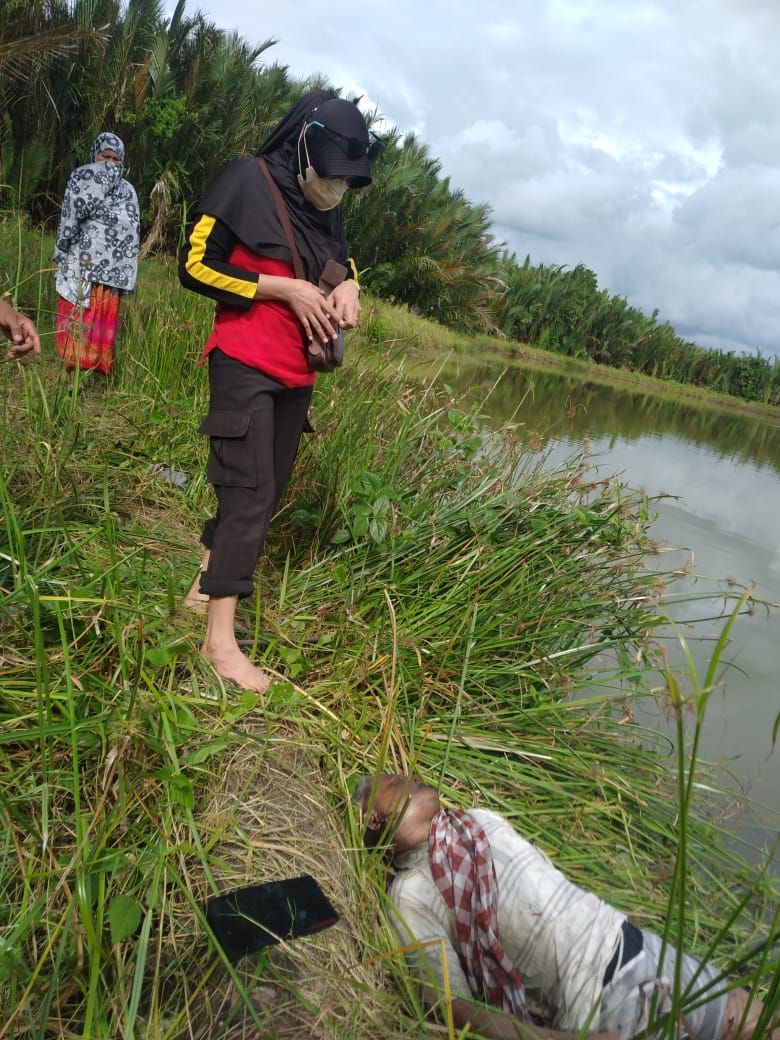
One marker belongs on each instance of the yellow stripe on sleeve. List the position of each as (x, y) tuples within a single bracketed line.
[(351, 263), (207, 275)]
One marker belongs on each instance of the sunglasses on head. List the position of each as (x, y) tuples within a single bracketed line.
[(356, 147)]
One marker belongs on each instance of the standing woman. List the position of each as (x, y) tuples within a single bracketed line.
[(260, 382), (96, 252)]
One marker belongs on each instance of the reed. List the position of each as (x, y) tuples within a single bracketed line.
[(433, 596)]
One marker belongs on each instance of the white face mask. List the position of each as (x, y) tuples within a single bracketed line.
[(323, 193)]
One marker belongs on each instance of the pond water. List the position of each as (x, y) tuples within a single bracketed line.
[(721, 476)]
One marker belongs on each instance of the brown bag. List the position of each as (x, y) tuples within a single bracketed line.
[(320, 357), (324, 357)]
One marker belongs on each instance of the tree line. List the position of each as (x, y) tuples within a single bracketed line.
[(186, 96)]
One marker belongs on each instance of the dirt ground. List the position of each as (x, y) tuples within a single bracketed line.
[(271, 818)]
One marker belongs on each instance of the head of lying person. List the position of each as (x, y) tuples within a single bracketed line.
[(397, 810)]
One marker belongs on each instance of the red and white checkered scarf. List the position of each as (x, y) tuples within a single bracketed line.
[(462, 867)]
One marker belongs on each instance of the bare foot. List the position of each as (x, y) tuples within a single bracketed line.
[(195, 599), (233, 664)]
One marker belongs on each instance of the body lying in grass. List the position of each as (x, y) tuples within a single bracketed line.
[(550, 959)]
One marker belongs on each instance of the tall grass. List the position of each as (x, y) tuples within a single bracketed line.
[(432, 597)]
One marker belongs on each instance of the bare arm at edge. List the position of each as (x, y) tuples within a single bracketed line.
[(498, 1025)]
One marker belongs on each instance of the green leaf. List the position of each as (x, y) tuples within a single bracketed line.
[(158, 656), (247, 703), (286, 695), (205, 751), (124, 916), (181, 792), (109, 862), (378, 531)]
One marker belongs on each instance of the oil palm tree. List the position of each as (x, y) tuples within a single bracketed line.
[(422, 243), (34, 36)]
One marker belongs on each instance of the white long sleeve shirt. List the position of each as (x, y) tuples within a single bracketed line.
[(559, 937)]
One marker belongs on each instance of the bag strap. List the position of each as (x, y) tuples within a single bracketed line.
[(284, 218)]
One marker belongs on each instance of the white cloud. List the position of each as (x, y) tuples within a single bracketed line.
[(641, 138)]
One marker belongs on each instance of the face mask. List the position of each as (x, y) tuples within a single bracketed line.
[(322, 192)]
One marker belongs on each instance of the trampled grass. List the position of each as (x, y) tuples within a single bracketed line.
[(433, 596)]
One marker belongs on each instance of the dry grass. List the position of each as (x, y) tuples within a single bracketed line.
[(267, 817)]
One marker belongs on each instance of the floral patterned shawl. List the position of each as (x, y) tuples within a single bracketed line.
[(99, 233)]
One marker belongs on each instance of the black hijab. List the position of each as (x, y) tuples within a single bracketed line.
[(241, 198)]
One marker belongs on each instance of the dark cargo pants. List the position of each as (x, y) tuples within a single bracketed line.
[(254, 425)]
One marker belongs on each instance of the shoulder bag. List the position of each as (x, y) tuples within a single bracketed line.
[(320, 357)]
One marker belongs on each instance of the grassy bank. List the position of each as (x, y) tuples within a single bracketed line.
[(426, 343), (427, 600)]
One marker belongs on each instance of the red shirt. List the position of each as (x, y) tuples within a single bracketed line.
[(267, 336)]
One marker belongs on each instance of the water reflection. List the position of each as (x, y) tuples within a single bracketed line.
[(722, 472), (567, 407)]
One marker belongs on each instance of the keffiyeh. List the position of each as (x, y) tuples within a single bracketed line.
[(462, 868)]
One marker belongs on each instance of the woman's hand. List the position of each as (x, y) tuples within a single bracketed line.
[(346, 303), (316, 312)]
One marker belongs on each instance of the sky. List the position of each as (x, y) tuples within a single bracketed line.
[(640, 138)]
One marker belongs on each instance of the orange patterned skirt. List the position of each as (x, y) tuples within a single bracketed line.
[(85, 336)]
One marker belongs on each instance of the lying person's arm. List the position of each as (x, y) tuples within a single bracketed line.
[(433, 959), (498, 1025)]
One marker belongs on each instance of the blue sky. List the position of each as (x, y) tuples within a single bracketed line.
[(639, 137)]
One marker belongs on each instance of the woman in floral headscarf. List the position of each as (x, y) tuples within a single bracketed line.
[(96, 252)]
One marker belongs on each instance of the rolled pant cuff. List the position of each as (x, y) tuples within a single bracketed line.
[(225, 587)]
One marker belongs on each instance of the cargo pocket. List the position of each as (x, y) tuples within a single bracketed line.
[(232, 461)]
